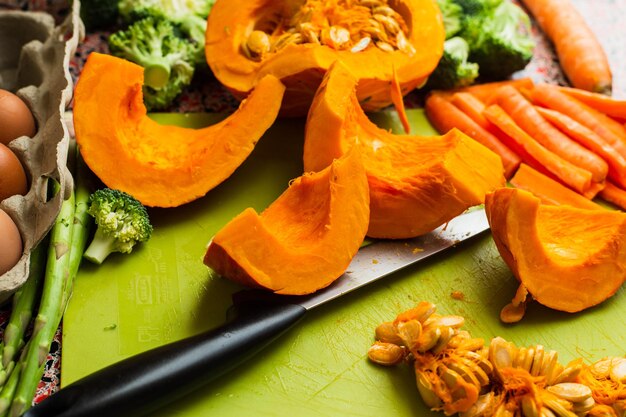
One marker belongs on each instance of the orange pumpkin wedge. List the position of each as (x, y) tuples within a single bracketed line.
[(305, 239), (568, 258), (417, 183), (161, 166), (290, 38)]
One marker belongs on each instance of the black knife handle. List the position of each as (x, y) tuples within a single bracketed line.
[(145, 382)]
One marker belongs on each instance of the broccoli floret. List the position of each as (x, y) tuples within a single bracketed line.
[(122, 222), (500, 41), (97, 14), (453, 69), (165, 57), (189, 15), (452, 15)]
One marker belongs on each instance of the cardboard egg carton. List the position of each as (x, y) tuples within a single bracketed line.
[(34, 64)]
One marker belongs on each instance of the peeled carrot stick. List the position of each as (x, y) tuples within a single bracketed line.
[(581, 55), (589, 139), (550, 96), (444, 116), (614, 194), (540, 158), (548, 190), (528, 118), (485, 92), (472, 106), (603, 103)]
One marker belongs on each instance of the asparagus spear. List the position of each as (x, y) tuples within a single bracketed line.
[(68, 240), (24, 301), (8, 390), (50, 309)]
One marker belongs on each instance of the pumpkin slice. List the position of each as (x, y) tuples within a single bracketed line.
[(568, 258), (161, 166), (298, 41), (305, 239), (417, 183)]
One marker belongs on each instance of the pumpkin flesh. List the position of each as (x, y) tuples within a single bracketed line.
[(301, 66), (161, 166), (305, 239), (568, 258), (417, 183)]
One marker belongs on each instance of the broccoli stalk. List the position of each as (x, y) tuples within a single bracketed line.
[(165, 57), (188, 15), (453, 69), (121, 221), (499, 40)]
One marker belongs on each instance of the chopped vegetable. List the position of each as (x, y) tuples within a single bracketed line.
[(548, 190), (537, 156), (122, 222), (167, 58), (533, 123), (453, 69), (444, 116)]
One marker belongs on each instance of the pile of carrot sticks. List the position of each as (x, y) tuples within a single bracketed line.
[(565, 145)]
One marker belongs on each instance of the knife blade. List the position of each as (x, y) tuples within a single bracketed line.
[(145, 382)]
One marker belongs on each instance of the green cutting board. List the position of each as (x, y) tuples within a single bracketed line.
[(162, 292)]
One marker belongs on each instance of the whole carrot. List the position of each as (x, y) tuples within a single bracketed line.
[(550, 96), (538, 156), (603, 103), (591, 140), (582, 58), (528, 118), (444, 116)]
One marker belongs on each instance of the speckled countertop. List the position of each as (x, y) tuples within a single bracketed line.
[(606, 18)]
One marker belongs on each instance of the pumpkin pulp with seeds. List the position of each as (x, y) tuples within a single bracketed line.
[(297, 41)]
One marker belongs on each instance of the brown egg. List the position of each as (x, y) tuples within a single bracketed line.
[(12, 175), (10, 243), (15, 118)]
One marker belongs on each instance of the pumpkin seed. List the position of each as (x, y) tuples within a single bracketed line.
[(410, 333), (388, 333), (387, 354), (618, 370), (349, 25), (571, 391)]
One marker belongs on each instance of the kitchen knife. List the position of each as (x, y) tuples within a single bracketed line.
[(145, 382)]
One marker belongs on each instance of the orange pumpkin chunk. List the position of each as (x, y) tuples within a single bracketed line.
[(417, 183), (568, 258), (305, 239), (162, 166)]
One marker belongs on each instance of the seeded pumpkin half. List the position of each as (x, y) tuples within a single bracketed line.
[(305, 239), (417, 183), (161, 166), (568, 258), (298, 40)]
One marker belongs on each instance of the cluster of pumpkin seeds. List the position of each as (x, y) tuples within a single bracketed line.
[(456, 373), (347, 25)]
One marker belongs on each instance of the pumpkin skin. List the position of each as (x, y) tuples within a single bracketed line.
[(305, 239), (568, 258), (161, 166), (417, 183), (301, 67)]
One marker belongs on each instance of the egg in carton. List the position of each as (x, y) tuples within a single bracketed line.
[(34, 64)]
